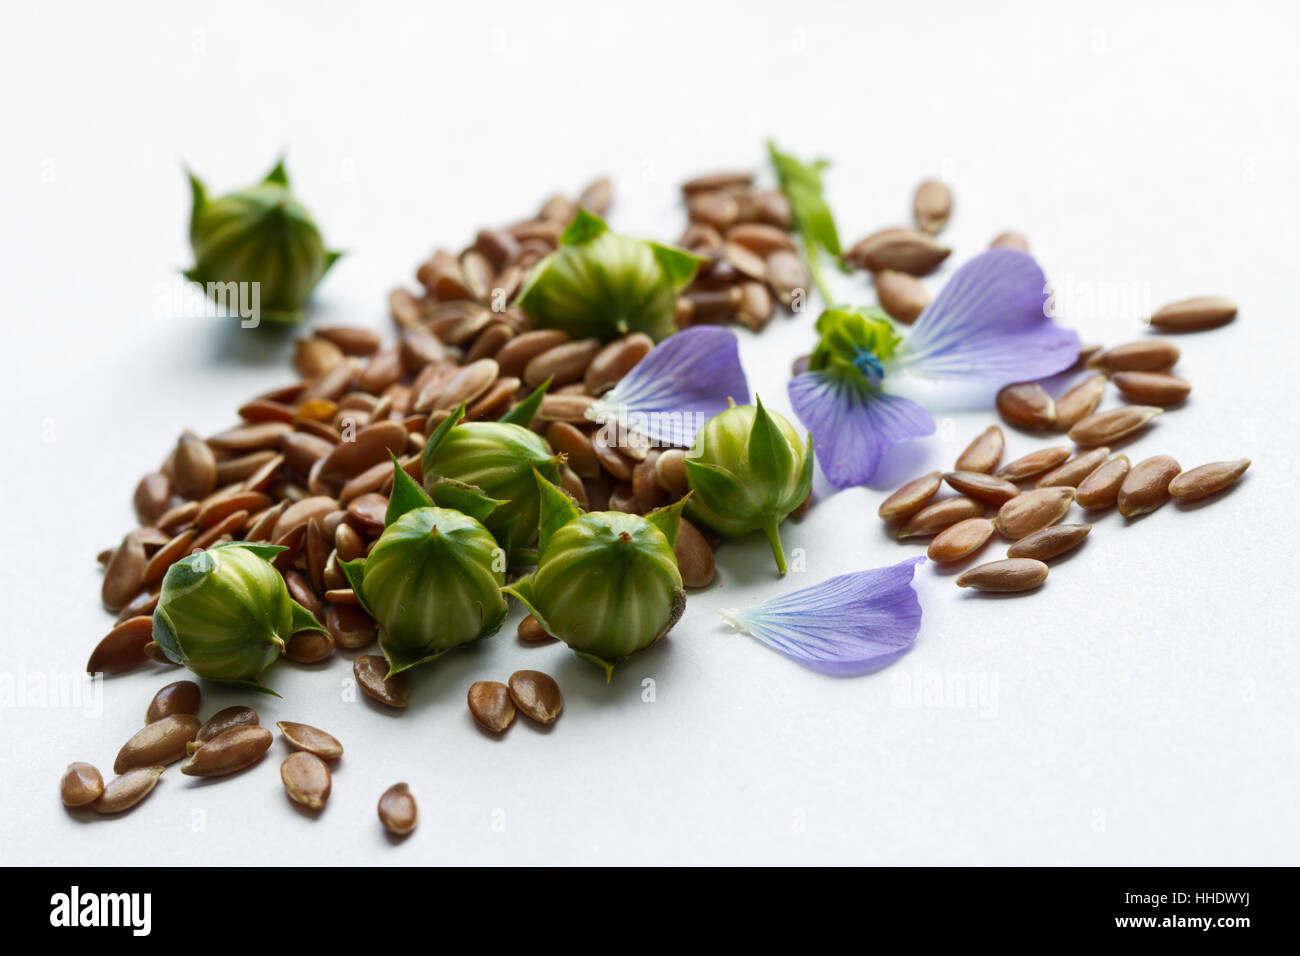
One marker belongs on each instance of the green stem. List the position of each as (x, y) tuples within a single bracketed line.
[(818, 277), (772, 529)]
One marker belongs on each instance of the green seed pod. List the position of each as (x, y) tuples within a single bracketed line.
[(225, 613), (606, 582), (432, 581), (603, 285), (260, 236), (486, 469), (748, 470)]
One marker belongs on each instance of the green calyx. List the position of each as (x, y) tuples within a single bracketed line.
[(260, 244), (855, 343), (606, 582), (226, 614), (747, 470), (598, 284)]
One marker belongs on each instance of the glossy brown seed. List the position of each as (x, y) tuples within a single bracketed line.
[(536, 695), (1146, 486), (179, 517), (982, 487), (1075, 470), (1145, 355), (229, 525), (1205, 480), (1194, 315), (1026, 405), (1152, 388), (903, 250), (468, 384), (228, 752), (1009, 575), (262, 410), (491, 706), (759, 237), (154, 652), (615, 361), (961, 540), (122, 648), (309, 647), (531, 631), (302, 450), (350, 339), (314, 357), (80, 784), (151, 496), (350, 626), (216, 508), (300, 514), (371, 446), (1033, 464), (1100, 488), (788, 276), (716, 181), (366, 513), (563, 364), (398, 811), (1079, 402), (157, 743), (984, 453), (744, 261), (564, 408), (1033, 510), (306, 779), (1010, 240), (311, 739), (573, 442), (244, 439), (124, 574), (934, 518), (515, 355), (695, 558), (901, 295), (716, 209), (370, 672), (670, 471), (179, 697), (194, 467), (911, 497), (226, 719), (932, 206), (125, 791), (265, 475), (143, 604), (1102, 428), (1049, 542), (756, 307)]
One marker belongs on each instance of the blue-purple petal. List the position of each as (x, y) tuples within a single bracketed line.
[(990, 323), (684, 381), (851, 624), (852, 424)]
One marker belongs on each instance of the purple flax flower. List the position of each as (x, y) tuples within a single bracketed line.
[(988, 324)]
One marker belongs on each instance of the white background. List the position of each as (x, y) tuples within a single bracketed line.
[(1141, 708)]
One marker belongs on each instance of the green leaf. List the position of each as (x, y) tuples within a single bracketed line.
[(252, 685), (266, 552), (668, 519), (718, 490), (770, 456), (524, 413), (584, 228), (465, 498), (406, 496), (355, 572), (304, 620), (679, 264), (332, 256), (278, 174), (400, 660), (199, 198), (557, 510), (802, 185), (522, 591), (437, 438), (164, 635)]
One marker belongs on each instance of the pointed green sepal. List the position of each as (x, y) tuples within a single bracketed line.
[(399, 660), (585, 227), (556, 510), (678, 264), (164, 635), (266, 552), (467, 499), (522, 591), (770, 456), (438, 437), (668, 519), (724, 495), (252, 685), (332, 256), (406, 496), (304, 620), (199, 202), (606, 666), (524, 413), (278, 174), (355, 572)]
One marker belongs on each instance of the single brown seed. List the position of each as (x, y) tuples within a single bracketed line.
[(903, 250), (695, 558), (1026, 405), (155, 653), (143, 604), (531, 631), (1010, 240), (151, 496), (179, 697), (397, 810), (984, 453), (309, 647), (1205, 480), (314, 357), (350, 626), (223, 720), (563, 364), (306, 779), (616, 360), (350, 339), (216, 508), (911, 497), (1100, 488), (1075, 470), (159, 743), (1145, 355), (371, 674), (596, 197), (523, 348), (1049, 542), (565, 408), (716, 181), (1009, 575), (932, 206), (933, 518), (80, 784), (756, 307), (536, 695), (300, 514), (178, 518), (1079, 402), (125, 791), (961, 540), (1146, 487), (1033, 464), (228, 752), (491, 706), (788, 276), (759, 237), (1152, 388), (670, 472), (311, 739), (1102, 428), (1027, 513), (124, 574), (901, 295), (122, 648), (1194, 315), (194, 467), (982, 487), (369, 447)]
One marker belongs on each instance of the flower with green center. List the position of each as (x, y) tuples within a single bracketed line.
[(262, 237), (598, 284), (432, 580), (225, 613), (606, 582), (748, 469)]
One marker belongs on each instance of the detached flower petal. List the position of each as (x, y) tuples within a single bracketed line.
[(851, 624), (853, 424), (989, 323), (684, 381)]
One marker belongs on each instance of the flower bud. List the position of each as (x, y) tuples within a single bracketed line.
[(748, 470), (225, 613), (603, 285), (261, 236), (606, 582)]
